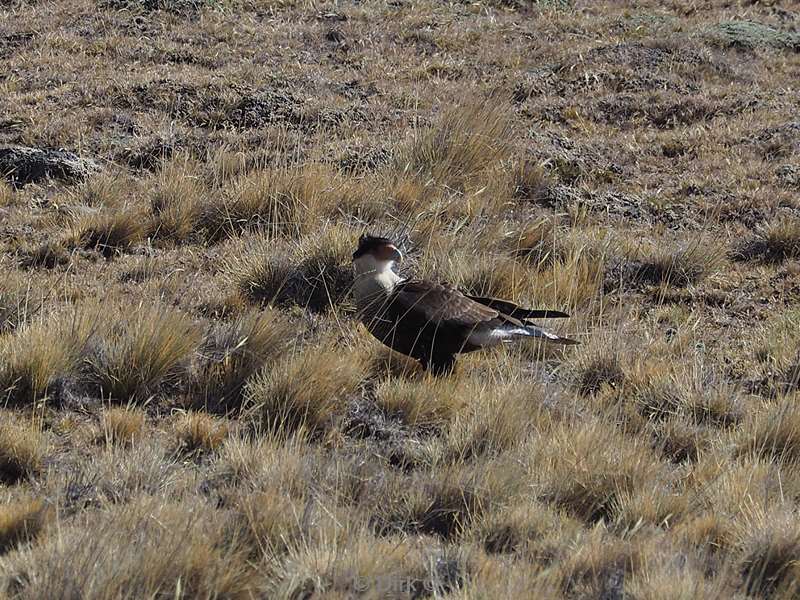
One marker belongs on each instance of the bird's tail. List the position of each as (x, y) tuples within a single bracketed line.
[(538, 332)]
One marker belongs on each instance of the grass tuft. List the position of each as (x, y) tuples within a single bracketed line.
[(143, 350), (681, 267), (773, 432), (199, 433), (18, 302), (598, 370), (305, 390), (21, 452), (460, 145), (314, 273), (176, 201), (20, 522), (47, 255), (41, 358), (110, 231), (276, 202), (593, 467), (424, 403), (770, 550), (6, 194), (231, 354), (183, 548), (122, 425)]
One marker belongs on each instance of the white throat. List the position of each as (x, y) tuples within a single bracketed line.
[(373, 278)]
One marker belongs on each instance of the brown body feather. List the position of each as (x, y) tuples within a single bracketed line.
[(433, 322)]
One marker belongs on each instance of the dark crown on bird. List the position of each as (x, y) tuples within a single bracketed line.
[(369, 244)]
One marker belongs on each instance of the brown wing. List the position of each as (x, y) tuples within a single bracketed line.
[(424, 301), (431, 321)]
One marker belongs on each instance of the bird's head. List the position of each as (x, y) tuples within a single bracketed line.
[(375, 254)]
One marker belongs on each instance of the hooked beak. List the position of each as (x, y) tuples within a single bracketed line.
[(394, 254)]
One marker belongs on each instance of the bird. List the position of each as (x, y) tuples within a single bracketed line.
[(430, 321)]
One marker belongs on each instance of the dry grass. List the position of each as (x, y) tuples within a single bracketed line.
[(774, 242), (177, 201), (40, 359), (423, 403), (110, 231), (199, 432), (273, 202), (6, 194), (773, 432), (21, 522), (307, 391), (590, 469), (122, 425), (313, 272), (188, 406), (21, 452), (460, 145), (769, 547), (88, 556), (145, 349), (685, 265), (231, 354), (18, 302)]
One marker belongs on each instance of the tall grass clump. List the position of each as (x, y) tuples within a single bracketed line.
[(6, 194), (143, 350), (138, 550), (460, 145), (21, 451), (176, 200), (769, 551), (122, 425), (678, 266), (782, 239), (773, 432), (313, 272), (110, 231), (198, 432), (21, 521), (275, 202), (231, 354), (18, 302), (420, 403), (307, 390), (40, 358)]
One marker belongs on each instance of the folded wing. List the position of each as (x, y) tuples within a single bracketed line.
[(424, 301)]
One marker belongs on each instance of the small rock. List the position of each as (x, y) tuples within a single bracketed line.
[(789, 175), (22, 165), (751, 34)]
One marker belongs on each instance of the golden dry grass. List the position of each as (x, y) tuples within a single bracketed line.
[(188, 407), (145, 350), (231, 354), (199, 432), (304, 391), (121, 425), (21, 451), (20, 522), (38, 358)]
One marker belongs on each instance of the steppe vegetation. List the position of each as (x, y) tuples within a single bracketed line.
[(188, 408)]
